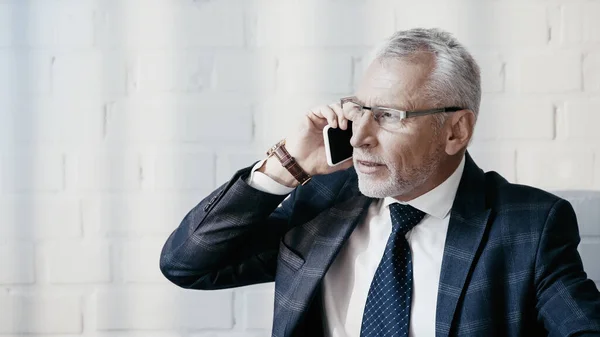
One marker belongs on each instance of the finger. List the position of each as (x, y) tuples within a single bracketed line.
[(327, 113), (318, 122), (342, 120), (347, 164), (343, 166)]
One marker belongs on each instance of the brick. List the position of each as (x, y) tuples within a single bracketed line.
[(185, 171), (89, 75), (140, 261), (315, 72), (179, 119), (169, 309), (77, 262), (148, 215), (596, 185), (229, 163), (24, 217), (497, 118), (591, 72), (591, 26), (555, 168), (31, 171), (502, 24), (581, 119), (17, 264), (589, 254), (106, 171), (23, 72), (40, 314), (550, 73), (492, 72), (65, 122), (359, 67), (46, 24), (75, 24), (276, 118), (245, 72), (502, 161), (7, 20), (571, 23), (585, 204), (440, 14), (308, 24), (258, 308), (172, 72), (164, 25)]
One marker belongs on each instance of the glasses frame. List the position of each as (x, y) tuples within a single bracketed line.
[(403, 114)]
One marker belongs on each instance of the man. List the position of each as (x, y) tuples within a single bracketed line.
[(410, 238)]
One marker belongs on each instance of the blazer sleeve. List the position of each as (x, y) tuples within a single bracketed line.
[(568, 302), (229, 239)]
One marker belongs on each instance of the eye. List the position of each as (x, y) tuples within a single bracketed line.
[(389, 119), (352, 110), (389, 116)]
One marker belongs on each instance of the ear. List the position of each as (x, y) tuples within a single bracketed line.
[(459, 131)]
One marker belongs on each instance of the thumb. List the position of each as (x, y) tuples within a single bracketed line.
[(340, 167), (347, 164)]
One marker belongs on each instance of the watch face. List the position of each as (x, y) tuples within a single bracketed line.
[(274, 147)]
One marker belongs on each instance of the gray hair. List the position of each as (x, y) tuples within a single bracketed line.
[(456, 79)]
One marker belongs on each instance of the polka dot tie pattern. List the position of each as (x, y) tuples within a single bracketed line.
[(387, 311)]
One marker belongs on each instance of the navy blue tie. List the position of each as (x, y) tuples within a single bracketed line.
[(387, 312)]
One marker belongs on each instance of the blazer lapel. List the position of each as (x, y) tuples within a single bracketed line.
[(322, 239), (335, 226), (467, 226), (330, 229)]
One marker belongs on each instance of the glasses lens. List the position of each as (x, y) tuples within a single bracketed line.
[(388, 119), (352, 110)]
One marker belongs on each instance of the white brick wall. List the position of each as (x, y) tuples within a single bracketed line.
[(40, 314), (76, 262), (117, 117), (591, 72)]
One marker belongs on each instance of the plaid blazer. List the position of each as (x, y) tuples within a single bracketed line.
[(510, 264)]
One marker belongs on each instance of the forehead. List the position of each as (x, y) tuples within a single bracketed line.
[(395, 82)]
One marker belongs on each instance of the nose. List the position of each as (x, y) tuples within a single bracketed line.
[(364, 131)]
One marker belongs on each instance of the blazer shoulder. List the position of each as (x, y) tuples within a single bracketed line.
[(322, 192), (503, 196), (326, 186)]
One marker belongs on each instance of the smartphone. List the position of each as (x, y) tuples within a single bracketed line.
[(337, 144)]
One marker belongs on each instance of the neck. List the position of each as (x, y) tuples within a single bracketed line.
[(444, 172)]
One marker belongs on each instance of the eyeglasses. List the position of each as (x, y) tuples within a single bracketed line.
[(388, 118)]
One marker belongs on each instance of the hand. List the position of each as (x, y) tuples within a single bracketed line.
[(307, 147)]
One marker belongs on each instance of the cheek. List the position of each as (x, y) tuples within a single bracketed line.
[(407, 149), (398, 148)]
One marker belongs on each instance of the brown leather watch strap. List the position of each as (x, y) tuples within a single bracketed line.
[(287, 161)]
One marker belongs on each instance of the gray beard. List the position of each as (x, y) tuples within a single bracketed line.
[(395, 184)]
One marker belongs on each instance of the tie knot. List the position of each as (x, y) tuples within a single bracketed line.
[(404, 217)]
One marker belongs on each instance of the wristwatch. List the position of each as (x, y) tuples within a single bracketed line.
[(287, 161)]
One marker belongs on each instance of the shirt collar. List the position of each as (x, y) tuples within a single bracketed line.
[(439, 200)]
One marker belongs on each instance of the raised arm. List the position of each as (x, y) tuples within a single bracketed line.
[(229, 239), (232, 237)]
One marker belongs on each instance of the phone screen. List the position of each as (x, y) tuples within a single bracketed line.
[(339, 143)]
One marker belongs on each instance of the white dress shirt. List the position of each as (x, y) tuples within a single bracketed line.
[(346, 283)]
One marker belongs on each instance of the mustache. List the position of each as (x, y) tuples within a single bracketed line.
[(365, 156)]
